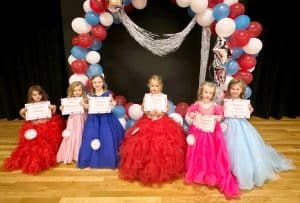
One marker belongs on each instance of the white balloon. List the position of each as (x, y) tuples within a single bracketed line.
[(199, 6), (230, 2), (190, 139), (106, 19), (139, 4), (71, 59), (93, 57), (123, 122), (80, 26), (205, 18), (78, 77), (135, 111), (251, 69), (95, 144), (86, 6), (183, 3), (30, 134), (66, 133), (225, 85), (225, 27), (177, 118), (253, 47)]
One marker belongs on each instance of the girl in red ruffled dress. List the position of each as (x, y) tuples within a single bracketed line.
[(153, 150), (39, 139)]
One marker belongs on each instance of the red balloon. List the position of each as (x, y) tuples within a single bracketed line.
[(181, 108), (88, 84), (85, 40), (240, 38), (246, 62), (99, 6), (236, 10), (212, 3), (127, 105), (254, 28), (120, 100), (75, 40), (79, 66), (246, 76), (129, 8), (213, 27), (99, 32)]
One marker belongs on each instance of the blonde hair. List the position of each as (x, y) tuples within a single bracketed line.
[(239, 82), (158, 79), (103, 80), (207, 84), (72, 86), (40, 90)]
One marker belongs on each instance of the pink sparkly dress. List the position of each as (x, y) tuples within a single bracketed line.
[(207, 160)]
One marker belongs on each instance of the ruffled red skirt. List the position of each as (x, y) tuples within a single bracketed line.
[(153, 151), (37, 154)]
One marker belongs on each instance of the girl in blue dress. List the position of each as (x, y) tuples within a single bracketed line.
[(252, 161), (102, 133)]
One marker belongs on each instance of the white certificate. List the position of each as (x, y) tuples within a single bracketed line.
[(205, 122), (37, 110), (236, 108), (72, 105), (155, 102), (99, 105)]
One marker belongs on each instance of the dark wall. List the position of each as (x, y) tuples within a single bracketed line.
[(127, 65)]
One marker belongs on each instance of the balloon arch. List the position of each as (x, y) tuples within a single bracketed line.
[(235, 49)]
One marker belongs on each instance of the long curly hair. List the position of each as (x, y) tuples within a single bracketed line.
[(40, 90)]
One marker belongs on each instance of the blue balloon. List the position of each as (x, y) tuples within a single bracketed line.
[(126, 2), (129, 123), (94, 69), (242, 22), (232, 67), (171, 107), (78, 52), (97, 45), (92, 18), (248, 92), (119, 111), (191, 12), (236, 53), (220, 11)]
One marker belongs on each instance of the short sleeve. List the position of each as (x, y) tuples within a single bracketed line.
[(193, 108)]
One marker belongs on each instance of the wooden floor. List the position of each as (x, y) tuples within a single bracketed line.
[(67, 184)]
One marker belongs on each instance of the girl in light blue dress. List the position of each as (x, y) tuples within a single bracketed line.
[(252, 161)]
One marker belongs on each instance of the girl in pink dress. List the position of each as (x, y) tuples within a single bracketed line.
[(39, 139), (207, 160), (70, 145)]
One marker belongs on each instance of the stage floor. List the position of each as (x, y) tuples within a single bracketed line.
[(68, 184)]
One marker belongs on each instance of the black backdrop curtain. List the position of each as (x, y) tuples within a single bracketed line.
[(35, 54), (276, 82)]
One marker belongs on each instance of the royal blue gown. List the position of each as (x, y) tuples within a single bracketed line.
[(108, 132)]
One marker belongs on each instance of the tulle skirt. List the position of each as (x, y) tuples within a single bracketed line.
[(153, 151), (37, 154), (101, 139), (252, 161), (207, 162)]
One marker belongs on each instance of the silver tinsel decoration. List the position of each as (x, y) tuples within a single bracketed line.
[(205, 45), (158, 44)]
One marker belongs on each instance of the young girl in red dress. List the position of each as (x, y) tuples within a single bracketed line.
[(153, 150), (39, 139)]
